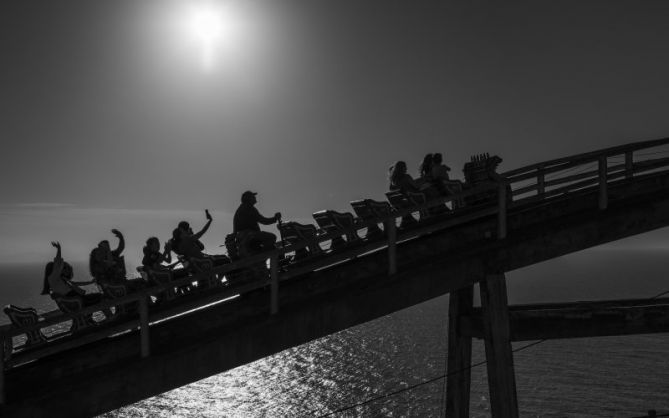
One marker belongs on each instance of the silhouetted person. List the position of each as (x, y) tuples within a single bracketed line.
[(107, 266), (425, 169), (401, 180), (441, 179), (153, 259), (246, 224), (58, 281), (187, 244)]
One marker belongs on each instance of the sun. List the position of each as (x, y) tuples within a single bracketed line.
[(207, 25)]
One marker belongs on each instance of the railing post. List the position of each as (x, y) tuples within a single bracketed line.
[(2, 369), (391, 233), (501, 212), (274, 284), (629, 164), (541, 187), (603, 196), (144, 325)]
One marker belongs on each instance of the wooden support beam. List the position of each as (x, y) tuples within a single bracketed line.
[(144, 326), (501, 214), (499, 356), (391, 233), (629, 164), (2, 369), (603, 192), (274, 284), (458, 377), (541, 181), (578, 319)]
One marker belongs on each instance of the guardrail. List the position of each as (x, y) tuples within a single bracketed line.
[(536, 173)]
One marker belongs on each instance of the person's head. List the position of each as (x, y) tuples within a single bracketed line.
[(426, 165), (397, 170), (249, 197), (103, 249), (437, 158), (185, 229), (153, 244)]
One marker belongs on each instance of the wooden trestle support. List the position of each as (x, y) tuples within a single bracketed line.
[(499, 355)]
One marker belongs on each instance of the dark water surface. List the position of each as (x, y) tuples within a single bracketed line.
[(593, 377)]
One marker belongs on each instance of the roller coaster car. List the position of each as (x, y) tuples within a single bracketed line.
[(22, 317), (116, 291), (480, 170), (239, 247), (371, 210), (157, 278), (294, 232), (402, 201), (332, 221), (72, 305)]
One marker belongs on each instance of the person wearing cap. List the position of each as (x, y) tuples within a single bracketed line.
[(246, 223)]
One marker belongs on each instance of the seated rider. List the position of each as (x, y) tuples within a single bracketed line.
[(425, 169), (246, 225), (108, 267), (441, 179), (401, 180), (153, 259), (58, 281), (187, 244)]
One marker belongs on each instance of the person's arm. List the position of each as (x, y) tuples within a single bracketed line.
[(411, 183), (58, 262), (167, 253), (206, 226), (121, 242), (74, 287), (82, 283), (268, 221)]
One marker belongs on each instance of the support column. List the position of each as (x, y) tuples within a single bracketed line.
[(458, 380), (2, 368), (498, 352)]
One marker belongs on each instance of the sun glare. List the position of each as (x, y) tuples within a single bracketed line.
[(207, 25)]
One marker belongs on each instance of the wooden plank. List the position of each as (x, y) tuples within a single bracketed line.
[(578, 319), (458, 377), (499, 356)]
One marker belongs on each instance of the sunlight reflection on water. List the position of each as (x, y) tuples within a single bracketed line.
[(592, 377)]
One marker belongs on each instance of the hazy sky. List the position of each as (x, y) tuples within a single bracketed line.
[(105, 105)]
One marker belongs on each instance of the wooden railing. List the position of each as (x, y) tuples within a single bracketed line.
[(535, 175)]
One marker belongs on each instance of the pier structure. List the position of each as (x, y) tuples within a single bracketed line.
[(523, 217)]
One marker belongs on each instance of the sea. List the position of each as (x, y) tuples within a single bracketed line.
[(394, 366)]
